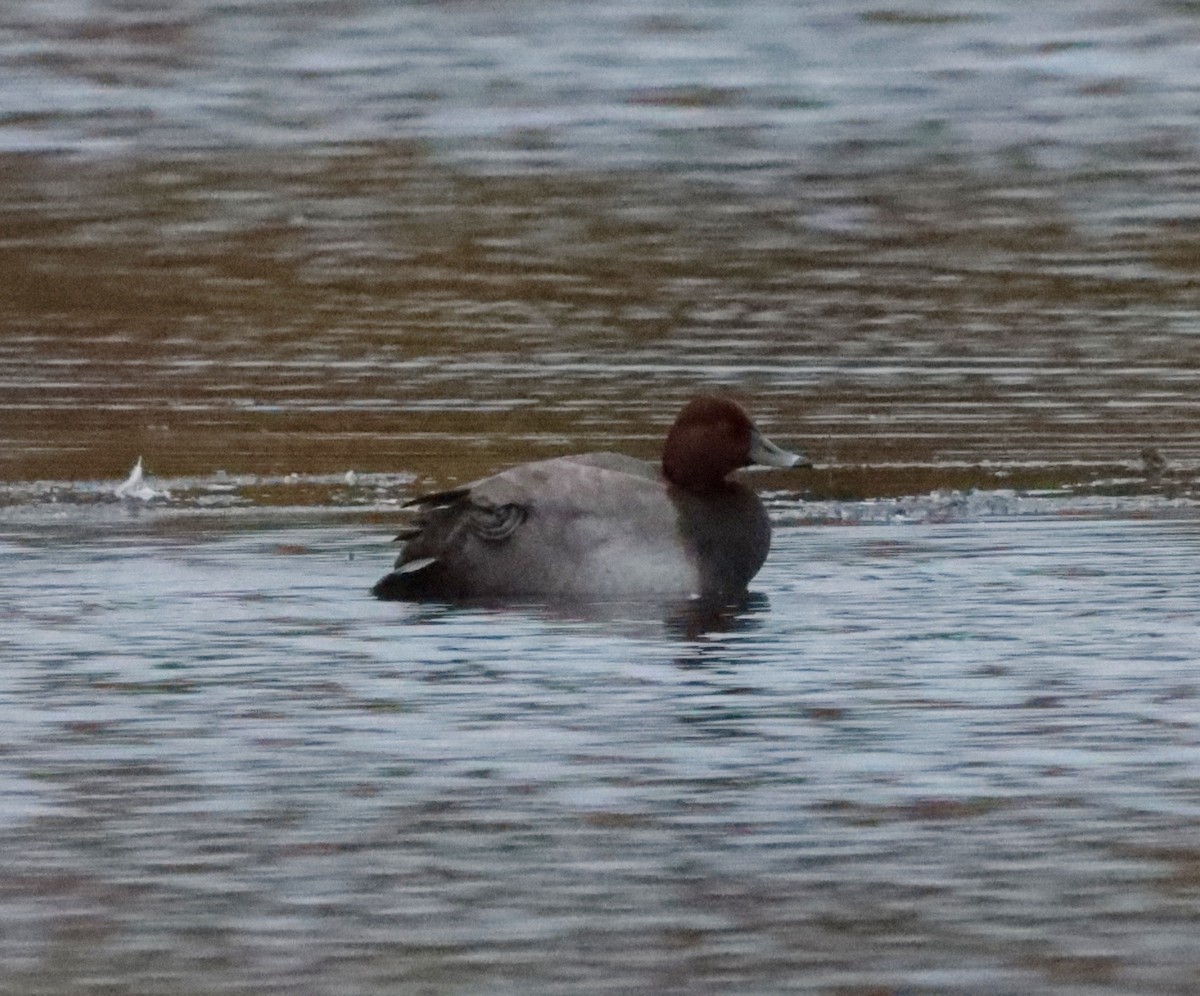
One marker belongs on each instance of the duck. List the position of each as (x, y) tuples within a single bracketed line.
[(601, 526)]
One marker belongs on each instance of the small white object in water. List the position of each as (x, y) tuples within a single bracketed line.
[(351, 478), (135, 485)]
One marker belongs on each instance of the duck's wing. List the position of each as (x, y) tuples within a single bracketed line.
[(481, 509), (424, 504), (448, 545), (435, 499), (618, 462), (494, 506)]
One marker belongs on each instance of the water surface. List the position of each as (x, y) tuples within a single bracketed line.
[(938, 246), (953, 757), (307, 259)]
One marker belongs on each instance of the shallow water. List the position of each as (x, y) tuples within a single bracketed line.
[(938, 247), (307, 258), (957, 756)]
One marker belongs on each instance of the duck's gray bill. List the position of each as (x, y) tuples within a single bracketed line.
[(766, 454)]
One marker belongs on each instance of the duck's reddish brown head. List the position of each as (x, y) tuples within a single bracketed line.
[(713, 437)]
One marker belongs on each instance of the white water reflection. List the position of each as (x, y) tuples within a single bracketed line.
[(540, 84), (955, 751)]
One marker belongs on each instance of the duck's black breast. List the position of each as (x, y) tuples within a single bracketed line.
[(729, 532)]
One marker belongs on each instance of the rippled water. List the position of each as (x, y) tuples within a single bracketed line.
[(937, 245), (551, 83), (955, 756), (307, 258)]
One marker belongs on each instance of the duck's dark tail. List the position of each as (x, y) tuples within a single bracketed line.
[(408, 581)]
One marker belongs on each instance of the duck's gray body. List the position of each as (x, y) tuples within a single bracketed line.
[(596, 526)]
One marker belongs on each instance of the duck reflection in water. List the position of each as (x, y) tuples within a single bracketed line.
[(602, 526), (690, 621)]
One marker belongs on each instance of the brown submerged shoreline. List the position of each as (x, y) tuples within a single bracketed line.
[(387, 314)]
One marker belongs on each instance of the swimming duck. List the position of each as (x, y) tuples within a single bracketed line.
[(601, 525)]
